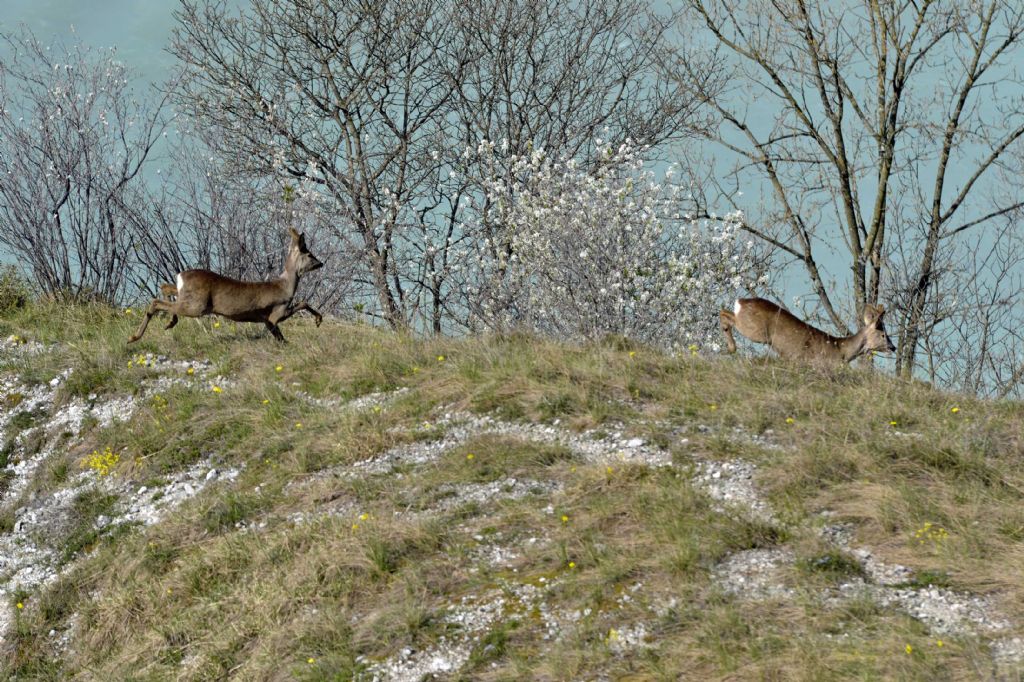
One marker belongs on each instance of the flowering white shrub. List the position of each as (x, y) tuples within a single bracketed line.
[(578, 254)]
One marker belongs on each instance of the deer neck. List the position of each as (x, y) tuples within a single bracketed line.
[(289, 281), (851, 346)]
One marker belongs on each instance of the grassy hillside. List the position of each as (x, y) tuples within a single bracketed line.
[(359, 504)]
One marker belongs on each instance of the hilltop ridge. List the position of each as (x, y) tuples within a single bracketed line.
[(363, 504)]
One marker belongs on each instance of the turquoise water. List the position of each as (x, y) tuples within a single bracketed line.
[(140, 29)]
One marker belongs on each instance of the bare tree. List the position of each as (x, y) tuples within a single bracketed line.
[(973, 341), (878, 124), (199, 216), (341, 94), (73, 140), (373, 103)]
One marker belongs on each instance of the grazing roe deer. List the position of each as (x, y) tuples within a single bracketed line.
[(764, 322), (202, 292)]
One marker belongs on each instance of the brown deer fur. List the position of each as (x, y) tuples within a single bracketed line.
[(762, 321), (202, 292)]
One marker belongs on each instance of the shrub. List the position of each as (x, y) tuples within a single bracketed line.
[(14, 290), (579, 252)]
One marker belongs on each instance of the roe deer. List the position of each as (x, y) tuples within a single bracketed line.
[(202, 292), (764, 322)]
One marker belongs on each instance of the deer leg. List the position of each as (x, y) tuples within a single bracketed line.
[(275, 331), (726, 320), (156, 306), (277, 316), (302, 305), (174, 321)]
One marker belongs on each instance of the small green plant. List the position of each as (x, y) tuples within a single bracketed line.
[(230, 510), (14, 289), (833, 564), (7, 521), (923, 579), (83, 534), (24, 420), (58, 472)]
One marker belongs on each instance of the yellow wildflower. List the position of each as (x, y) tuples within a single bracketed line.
[(216, 325), (20, 605), (938, 643), (565, 519), (279, 368), (364, 516), (470, 456), (954, 410), (298, 425), (190, 371), (909, 649), (311, 660), (440, 358), (790, 420), (572, 564), (712, 406), (632, 353), (101, 462), (266, 401), (216, 389)]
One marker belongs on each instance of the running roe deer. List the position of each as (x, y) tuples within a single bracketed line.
[(202, 292), (764, 322)]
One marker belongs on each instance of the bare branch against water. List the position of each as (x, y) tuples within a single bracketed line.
[(73, 141), (882, 132)]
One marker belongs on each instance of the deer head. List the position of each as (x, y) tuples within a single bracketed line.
[(875, 337), (299, 259)]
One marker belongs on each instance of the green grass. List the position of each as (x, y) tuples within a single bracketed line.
[(230, 586)]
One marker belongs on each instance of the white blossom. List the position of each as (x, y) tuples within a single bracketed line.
[(578, 251)]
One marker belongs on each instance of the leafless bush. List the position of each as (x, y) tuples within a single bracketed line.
[(73, 140)]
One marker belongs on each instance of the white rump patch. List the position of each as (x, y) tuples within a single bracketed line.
[(736, 307), (181, 283)]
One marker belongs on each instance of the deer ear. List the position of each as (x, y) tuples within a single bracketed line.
[(294, 235), (871, 314)]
